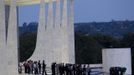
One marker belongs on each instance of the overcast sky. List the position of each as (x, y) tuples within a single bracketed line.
[(88, 11)]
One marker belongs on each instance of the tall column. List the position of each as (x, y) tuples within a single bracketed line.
[(65, 46), (49, 30), (71, 32), (40, 51), (57, 35), (2, 39), (12, 42)]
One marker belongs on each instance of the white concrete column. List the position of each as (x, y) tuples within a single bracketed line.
[(40, 51), (2, 39), (50, 15), (12, 41), (49, 30), (58, 14), (71, 32), (64, 45), (57, 41)]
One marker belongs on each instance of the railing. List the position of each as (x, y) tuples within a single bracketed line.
[(96, 69)]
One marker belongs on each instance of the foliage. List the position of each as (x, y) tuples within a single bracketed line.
[(27, 45), (87, 49), (107, 41)]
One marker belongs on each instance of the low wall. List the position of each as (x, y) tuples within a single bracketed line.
[(116, 57)]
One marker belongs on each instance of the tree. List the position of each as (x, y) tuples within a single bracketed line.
[(27, 45), (87, 50), (107, 41)]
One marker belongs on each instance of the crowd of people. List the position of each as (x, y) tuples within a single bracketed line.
[(70, 69), (38, 67), (33, 67)]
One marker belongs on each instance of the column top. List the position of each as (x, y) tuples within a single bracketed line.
[(25, 2)]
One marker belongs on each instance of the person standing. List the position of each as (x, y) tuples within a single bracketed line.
[(84, 70), (39, 67), (74, 69), (88, 70), (35, 65), (53, 68), (44, 68), (25, 66)]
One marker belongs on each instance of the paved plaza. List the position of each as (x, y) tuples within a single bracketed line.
[(34, 74), (50, 74)]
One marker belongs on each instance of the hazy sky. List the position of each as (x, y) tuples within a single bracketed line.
[(88, 11)]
